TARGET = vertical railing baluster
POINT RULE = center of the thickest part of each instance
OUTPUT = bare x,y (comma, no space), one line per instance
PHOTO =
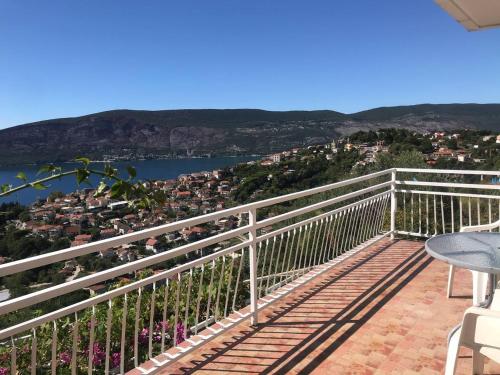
285,255
136,326
382,214
302,251
262,274
164,314
230,280
460,207
322,244
275,273
13,356
151,320
252,236
34,348
489,211
470,212
219,286
404,211
91,342
364,209
370,218
442,214
394,203
53,360
176,314
420,214
307,258
74,349
412,218
188,303
427,222
269,270
328,251
198,298
353,227
123,333
435,214
478,211
452,209
236,286
370,232
313,251
210,291
109,323
288,267
344,230
334,236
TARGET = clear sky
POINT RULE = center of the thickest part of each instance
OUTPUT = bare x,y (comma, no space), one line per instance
63,58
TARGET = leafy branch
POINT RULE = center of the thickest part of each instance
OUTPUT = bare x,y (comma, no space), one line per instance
139,194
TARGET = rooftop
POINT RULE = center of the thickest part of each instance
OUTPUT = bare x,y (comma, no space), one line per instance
383,311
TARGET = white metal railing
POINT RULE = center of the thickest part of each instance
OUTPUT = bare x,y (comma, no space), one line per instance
207,288
427,207
204,290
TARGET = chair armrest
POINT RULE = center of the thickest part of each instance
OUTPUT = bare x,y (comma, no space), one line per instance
478,228
480,328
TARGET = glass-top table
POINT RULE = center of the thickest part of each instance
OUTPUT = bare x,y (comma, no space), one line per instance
476,251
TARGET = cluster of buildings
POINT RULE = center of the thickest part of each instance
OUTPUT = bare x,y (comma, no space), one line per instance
82,218
328,151
463,152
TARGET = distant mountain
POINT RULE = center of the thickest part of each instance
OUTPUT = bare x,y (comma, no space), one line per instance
220,131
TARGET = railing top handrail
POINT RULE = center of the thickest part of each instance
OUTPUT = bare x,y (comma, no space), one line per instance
449,171
93,247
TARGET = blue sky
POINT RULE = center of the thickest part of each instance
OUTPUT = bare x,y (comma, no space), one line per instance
63,58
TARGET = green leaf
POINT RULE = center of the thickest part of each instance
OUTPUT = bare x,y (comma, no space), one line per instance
131,171
5,188
38,186
109,170
84,160
47,168
101,188
82,175
116,189
22,176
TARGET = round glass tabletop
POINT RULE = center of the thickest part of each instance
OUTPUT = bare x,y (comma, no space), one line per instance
477,251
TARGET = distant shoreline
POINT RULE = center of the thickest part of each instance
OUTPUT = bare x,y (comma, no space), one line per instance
131,160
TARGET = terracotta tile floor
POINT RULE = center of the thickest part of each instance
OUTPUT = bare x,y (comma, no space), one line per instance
382,312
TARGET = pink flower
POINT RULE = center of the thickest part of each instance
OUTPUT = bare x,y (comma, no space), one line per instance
4,371
143,336
180,333
65,358
115,359
159,325
158,330
99,354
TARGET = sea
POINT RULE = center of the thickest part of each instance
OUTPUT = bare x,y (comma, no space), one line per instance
146,170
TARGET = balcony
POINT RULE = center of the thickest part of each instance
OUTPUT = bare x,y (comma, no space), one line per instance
334,277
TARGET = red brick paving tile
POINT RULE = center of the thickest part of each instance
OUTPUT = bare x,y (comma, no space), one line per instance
382,312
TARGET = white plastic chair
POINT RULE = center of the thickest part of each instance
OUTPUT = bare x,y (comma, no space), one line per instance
479,279
480,331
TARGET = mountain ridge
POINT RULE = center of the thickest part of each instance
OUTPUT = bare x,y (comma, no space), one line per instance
220,131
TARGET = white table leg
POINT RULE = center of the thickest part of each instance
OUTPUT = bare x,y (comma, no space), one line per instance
479,287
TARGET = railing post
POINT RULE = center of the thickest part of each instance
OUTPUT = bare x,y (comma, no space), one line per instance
393,202
252,221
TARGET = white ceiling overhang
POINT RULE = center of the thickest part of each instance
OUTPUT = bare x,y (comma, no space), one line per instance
473,14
